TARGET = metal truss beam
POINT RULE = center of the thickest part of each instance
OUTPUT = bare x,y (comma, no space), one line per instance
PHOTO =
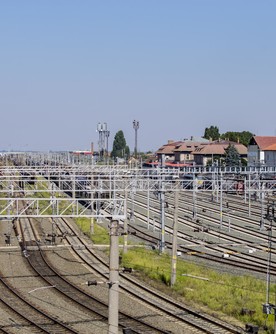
36,185
11,208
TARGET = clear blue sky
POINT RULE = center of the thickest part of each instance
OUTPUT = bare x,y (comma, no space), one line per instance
177,66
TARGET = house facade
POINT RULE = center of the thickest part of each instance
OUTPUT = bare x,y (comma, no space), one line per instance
214,152
180,152
262,151
197,152
166,152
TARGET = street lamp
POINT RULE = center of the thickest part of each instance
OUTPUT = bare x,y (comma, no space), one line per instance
135,127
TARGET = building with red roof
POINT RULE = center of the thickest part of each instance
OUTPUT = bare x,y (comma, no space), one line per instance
262,151
179,153
196,152
215,150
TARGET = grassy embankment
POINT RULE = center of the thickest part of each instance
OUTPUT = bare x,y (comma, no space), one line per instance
237,299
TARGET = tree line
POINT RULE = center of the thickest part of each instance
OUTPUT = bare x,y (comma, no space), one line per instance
239,137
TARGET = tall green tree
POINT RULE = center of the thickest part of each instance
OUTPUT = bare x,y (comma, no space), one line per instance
238,137
120,148
212,133
232,156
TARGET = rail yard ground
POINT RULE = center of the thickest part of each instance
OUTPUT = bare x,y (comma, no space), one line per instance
225,254
229,293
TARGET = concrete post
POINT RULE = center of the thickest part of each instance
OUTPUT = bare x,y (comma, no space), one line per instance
113,296
175,229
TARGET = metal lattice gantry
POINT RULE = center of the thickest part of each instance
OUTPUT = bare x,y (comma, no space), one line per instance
85,189
54,207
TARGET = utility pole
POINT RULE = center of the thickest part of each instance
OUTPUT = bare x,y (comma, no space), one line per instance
194,196
249,194
268,307
162,206
175,229
162,217
53,202
261,184
113,296
148,204
221,217
92,204
135,127
125,223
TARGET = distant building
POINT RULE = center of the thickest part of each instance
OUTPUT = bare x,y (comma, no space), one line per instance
179,152
196,151
262,151
215,151
184,151
166,152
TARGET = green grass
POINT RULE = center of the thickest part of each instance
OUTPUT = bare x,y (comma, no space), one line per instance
220,294
100,235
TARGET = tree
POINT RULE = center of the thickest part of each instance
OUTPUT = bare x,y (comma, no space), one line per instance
120,149
232,156
238,137
212,133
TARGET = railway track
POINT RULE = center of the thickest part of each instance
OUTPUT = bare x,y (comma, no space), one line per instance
191,320
37,258
214,242
30,318
175,312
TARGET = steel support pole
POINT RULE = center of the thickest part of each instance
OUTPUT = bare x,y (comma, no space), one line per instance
92,207
194,197
148,204
221,215
113,296
245,190
125,224
262,207
175,229
162,218
74,191
249,194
